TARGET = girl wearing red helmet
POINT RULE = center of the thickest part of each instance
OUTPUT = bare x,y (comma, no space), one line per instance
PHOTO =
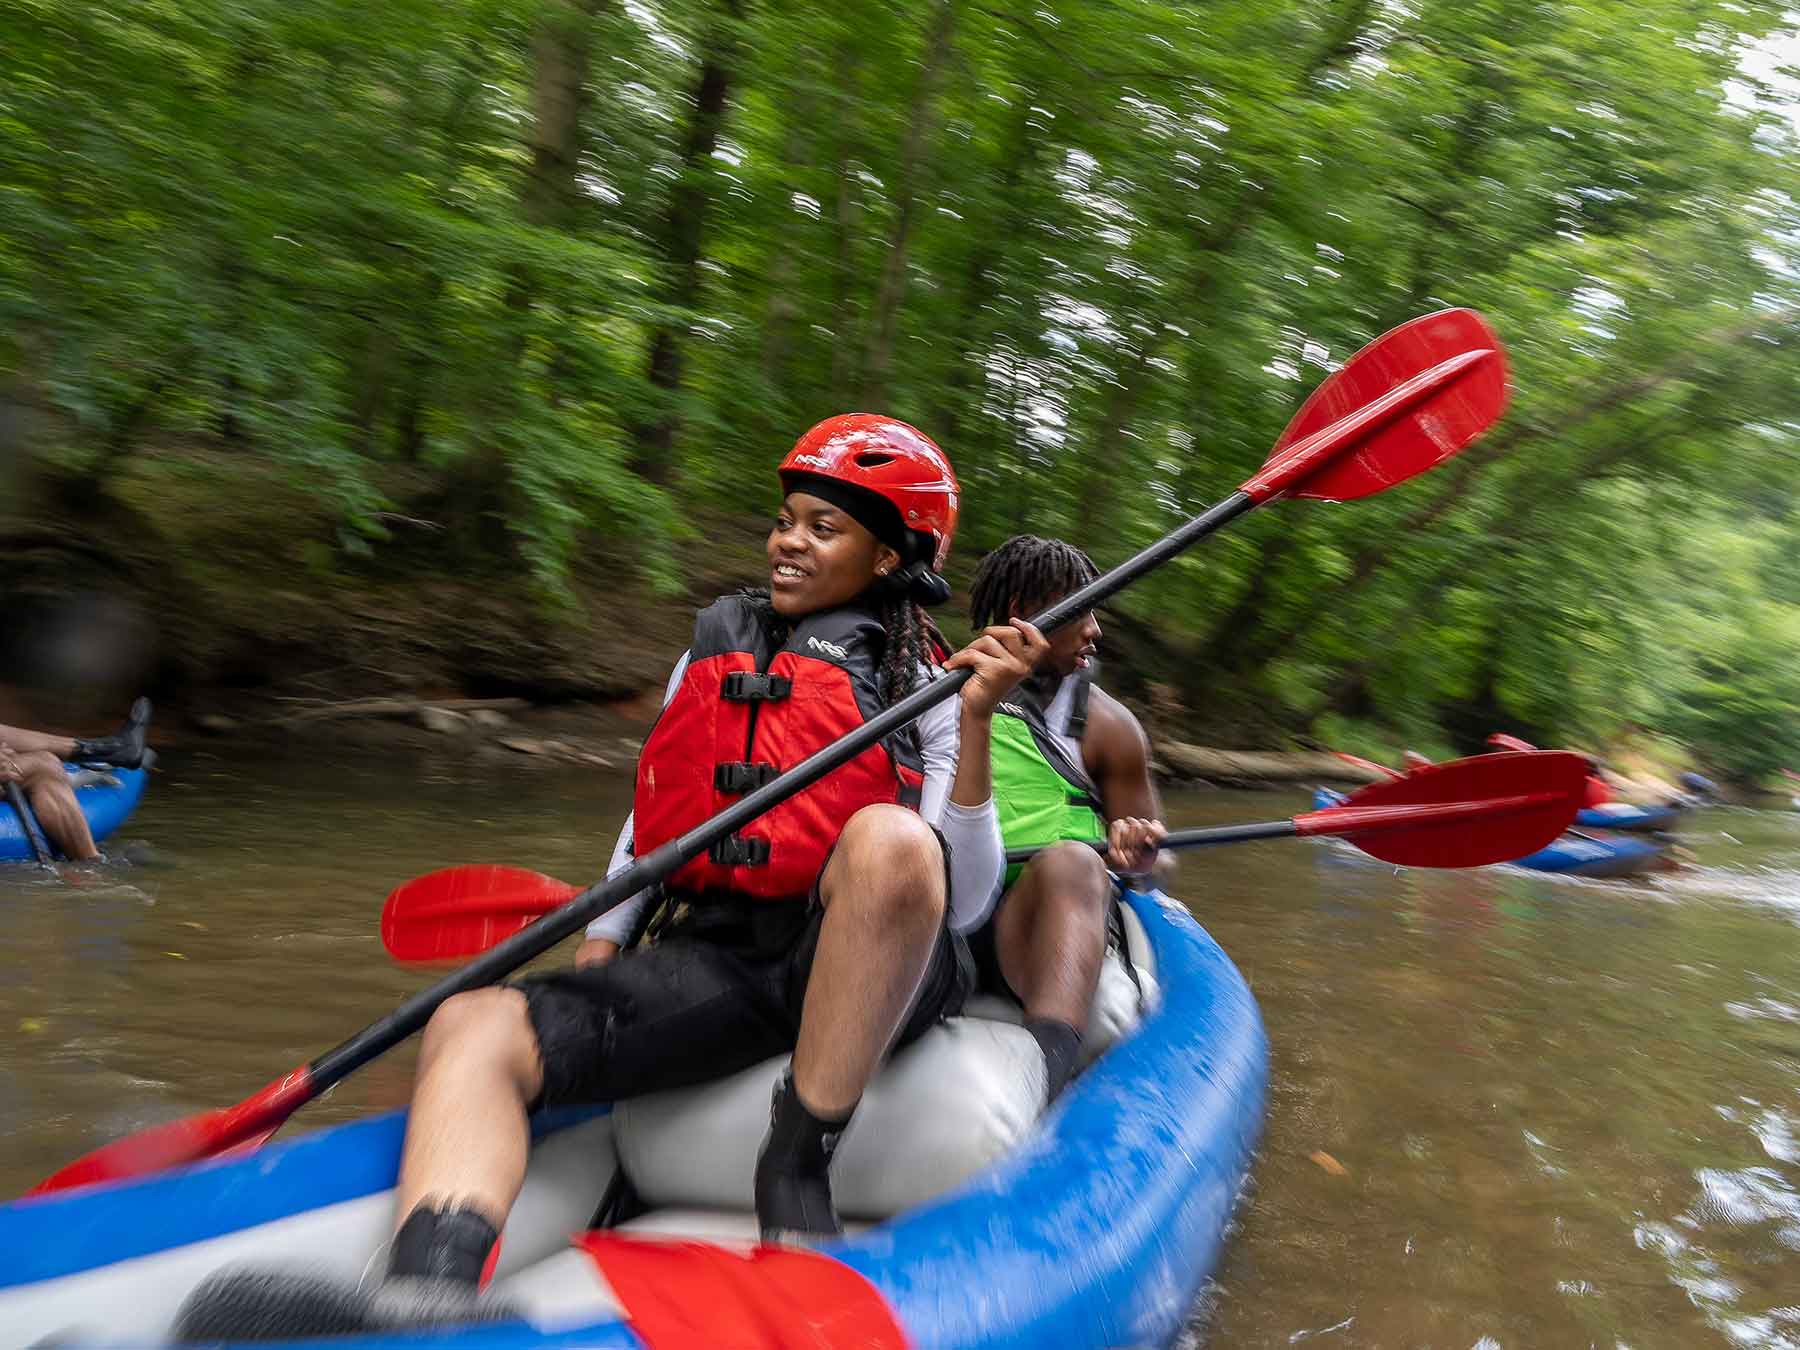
829,927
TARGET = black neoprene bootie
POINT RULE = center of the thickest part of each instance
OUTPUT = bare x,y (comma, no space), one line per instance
278,1305
126,747
793,1171
450,1244
434,1266
1061,1045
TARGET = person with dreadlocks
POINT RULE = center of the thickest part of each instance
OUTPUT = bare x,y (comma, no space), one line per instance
831,926
1070,765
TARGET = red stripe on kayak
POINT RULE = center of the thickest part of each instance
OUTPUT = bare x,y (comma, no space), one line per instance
684,1295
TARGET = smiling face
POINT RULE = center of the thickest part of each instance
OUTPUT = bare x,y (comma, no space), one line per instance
819,558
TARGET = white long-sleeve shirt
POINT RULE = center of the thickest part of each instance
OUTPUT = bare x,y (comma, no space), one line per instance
977,855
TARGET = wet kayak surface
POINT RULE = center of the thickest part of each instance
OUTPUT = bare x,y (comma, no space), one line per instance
1506,1109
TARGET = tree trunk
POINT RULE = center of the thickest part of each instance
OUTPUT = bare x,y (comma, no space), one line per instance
560,61
783,309
844,329
1106,463
420,356
679,240
885,320
978,289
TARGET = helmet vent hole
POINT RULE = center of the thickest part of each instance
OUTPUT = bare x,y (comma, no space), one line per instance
873,459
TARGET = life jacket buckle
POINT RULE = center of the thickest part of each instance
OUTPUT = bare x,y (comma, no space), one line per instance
749,686
736,851
743,777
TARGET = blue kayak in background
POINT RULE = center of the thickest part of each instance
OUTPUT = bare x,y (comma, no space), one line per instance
107,800
1625,816
1597,856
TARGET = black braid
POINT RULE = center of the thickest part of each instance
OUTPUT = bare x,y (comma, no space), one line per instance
1027,572
913,640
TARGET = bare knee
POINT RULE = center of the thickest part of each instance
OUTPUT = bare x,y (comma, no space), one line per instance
486,1027
1062,891
40,768
1072,876
889,857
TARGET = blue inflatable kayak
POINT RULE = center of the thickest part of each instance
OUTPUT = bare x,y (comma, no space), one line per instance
1580,855
1625,816
106,804
987,1221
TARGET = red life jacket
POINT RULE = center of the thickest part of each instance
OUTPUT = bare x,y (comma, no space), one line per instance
745,710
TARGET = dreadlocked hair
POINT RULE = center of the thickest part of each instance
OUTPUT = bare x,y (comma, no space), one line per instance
1026,571
913,639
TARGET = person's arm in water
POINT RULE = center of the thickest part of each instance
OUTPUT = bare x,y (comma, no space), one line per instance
1116,754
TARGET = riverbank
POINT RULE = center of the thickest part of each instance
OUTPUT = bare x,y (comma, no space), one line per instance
217,585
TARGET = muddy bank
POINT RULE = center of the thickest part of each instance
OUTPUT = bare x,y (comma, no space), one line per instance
608,736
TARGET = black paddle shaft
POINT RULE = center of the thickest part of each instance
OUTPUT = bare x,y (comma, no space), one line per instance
40,847
1199,838
581,910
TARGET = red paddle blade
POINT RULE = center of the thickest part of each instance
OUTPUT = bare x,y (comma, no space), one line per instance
1501,741
1466,813
189,1139
1403,404
460,911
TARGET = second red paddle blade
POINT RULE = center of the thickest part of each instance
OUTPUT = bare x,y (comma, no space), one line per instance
1531,799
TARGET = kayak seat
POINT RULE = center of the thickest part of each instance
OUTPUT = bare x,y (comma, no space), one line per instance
938,1112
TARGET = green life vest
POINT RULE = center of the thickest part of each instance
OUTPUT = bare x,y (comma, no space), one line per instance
1040,795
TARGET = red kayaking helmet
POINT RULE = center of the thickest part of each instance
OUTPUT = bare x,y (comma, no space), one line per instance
896,462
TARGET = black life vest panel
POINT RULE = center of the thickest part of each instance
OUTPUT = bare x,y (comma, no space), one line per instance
745,710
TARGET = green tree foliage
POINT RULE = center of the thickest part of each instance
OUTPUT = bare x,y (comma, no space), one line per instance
538,269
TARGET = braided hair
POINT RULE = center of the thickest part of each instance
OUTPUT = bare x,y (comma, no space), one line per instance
913,640
1027,571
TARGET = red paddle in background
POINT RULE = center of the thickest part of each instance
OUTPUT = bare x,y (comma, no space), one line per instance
1402,405
1501,741
458,911
1368,764
1466,813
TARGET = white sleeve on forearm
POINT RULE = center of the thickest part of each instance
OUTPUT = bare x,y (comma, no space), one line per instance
616,924
977,856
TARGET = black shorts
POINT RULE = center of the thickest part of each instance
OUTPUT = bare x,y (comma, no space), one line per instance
984,948
720,990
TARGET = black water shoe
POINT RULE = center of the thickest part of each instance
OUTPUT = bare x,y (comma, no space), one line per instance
125,748
793,1171
267,1305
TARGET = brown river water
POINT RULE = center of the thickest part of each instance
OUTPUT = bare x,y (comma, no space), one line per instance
1505,1110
